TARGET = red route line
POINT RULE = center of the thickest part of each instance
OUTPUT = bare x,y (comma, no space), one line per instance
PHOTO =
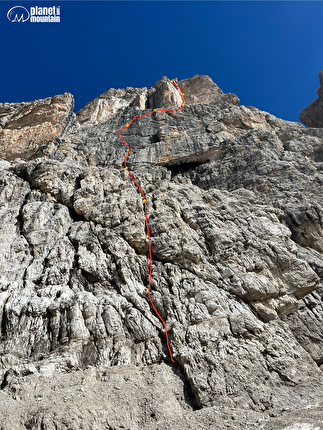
144,200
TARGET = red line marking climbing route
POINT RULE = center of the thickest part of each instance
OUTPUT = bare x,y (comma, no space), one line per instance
144,201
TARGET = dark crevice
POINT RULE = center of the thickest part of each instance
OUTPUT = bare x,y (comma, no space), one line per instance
75,216
77,184
4,382
189,395
154,138
319,361
4,323
21,172
21,230
184,167
19,217
49,329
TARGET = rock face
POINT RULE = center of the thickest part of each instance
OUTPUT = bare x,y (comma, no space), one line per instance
234,203
312,115
199,89
25,127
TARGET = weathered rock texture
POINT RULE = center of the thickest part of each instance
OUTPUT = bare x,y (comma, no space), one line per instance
234,199
25,127
312,115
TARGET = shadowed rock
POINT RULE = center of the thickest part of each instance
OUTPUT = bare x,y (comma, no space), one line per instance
312,115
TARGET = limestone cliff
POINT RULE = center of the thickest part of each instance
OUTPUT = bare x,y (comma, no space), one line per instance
234,202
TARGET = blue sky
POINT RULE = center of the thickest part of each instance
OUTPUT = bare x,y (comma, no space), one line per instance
268,53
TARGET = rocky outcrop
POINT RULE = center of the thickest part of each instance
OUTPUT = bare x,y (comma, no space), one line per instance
26,127
200,90
312,115
234,209
111,103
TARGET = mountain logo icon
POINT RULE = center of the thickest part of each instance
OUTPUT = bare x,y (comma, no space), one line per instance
18,14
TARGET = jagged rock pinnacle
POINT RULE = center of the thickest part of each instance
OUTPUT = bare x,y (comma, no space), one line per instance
312,115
